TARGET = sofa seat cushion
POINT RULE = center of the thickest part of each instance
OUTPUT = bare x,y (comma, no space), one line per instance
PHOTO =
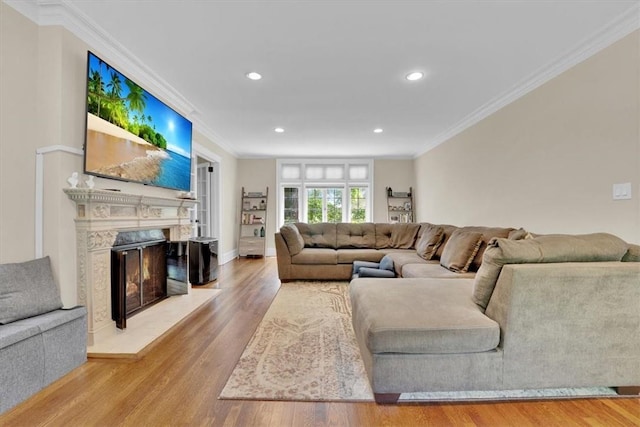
347,256
404,257
434,271
420,316
16,332
316,256
55,318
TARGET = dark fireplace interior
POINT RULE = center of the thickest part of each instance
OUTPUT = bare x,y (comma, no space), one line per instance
138,272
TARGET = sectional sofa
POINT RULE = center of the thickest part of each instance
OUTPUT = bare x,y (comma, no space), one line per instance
479,308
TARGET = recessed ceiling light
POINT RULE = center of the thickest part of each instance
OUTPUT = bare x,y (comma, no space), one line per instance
416,75
377,130
254,76
279,130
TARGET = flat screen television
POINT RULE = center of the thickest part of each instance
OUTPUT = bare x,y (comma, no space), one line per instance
131,135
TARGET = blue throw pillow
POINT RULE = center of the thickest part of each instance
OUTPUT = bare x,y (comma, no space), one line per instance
386,263
375,272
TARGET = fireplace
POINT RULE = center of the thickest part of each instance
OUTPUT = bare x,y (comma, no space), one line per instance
101,215
138,273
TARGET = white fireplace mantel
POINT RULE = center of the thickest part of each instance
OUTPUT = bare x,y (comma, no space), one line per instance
100,216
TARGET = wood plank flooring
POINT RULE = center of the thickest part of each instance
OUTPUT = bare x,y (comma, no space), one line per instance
178,381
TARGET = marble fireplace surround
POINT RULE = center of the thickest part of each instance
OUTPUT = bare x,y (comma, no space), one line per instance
100,215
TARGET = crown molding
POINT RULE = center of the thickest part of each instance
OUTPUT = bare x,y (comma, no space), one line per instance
620,27
64,13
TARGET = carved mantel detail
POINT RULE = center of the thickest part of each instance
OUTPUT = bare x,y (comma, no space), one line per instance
100,215
101,239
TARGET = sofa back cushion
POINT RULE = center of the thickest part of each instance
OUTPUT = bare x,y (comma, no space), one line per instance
383,235
552,248
321,235
460,250
429,240
351,236
293,238
27,289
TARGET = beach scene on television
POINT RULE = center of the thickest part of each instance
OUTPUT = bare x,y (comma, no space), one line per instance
131,135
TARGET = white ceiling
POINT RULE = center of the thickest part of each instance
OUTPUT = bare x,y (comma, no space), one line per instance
334,70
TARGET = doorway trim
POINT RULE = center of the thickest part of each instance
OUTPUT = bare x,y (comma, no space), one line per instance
216,189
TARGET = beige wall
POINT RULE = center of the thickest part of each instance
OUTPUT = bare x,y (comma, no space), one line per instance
255,175
18,133
43,81
547,162
397,174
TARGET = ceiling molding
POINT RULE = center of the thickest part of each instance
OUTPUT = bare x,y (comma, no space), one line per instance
64,13
620,27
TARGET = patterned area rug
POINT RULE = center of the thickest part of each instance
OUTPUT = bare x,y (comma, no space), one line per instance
305,349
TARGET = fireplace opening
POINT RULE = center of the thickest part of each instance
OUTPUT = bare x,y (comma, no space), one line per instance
138,273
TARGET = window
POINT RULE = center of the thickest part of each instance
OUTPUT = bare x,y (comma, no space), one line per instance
291,205
316,191
324,205
358,204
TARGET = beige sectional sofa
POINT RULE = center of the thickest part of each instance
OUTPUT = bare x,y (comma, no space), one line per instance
507,312
326,251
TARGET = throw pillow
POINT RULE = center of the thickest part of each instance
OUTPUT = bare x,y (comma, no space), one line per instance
403,235
428,243
518,234
462,247
293,238
27,289
386,263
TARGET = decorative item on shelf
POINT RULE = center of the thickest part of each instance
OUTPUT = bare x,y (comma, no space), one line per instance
73,180
89,182
254,208
407,206
389,191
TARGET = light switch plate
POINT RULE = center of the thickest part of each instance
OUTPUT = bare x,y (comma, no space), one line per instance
622,191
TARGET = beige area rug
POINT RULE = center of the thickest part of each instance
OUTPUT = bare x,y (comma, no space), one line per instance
305,349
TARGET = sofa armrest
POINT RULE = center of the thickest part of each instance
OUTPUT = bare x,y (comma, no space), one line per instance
569,323
283,257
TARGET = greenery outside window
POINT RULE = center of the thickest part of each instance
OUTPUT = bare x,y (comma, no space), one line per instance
331,190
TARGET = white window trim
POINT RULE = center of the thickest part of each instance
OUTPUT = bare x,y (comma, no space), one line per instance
303,184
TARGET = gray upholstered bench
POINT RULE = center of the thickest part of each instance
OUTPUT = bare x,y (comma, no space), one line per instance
39,341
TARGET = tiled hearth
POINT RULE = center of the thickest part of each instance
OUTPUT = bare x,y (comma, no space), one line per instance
100,215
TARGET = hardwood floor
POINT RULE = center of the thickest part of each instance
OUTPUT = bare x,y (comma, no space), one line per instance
178,381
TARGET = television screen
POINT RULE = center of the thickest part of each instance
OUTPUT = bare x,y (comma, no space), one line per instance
131,135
